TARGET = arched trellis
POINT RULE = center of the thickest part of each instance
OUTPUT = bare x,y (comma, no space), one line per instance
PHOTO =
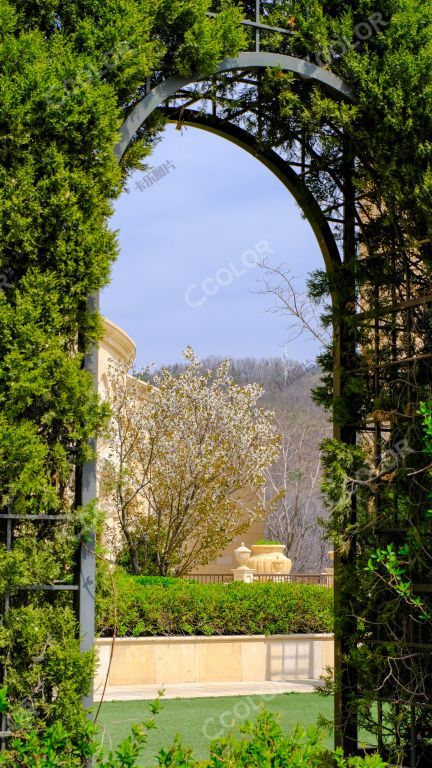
386,313
244,62
383,344
334,255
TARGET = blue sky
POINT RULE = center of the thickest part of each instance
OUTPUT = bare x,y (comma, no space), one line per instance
188,244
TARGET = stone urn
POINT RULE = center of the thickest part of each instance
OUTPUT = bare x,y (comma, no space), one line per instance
269,559
329,572
244,574
242,554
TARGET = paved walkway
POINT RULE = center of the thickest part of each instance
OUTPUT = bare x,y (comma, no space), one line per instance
201,690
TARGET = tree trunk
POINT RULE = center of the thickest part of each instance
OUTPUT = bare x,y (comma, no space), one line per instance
133,553
163,567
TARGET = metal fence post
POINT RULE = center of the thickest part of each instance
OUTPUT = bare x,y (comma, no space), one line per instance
89,492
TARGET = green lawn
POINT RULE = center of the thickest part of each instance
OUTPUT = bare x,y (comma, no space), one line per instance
200,720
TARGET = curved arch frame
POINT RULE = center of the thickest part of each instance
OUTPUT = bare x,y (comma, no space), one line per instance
244,61
346,726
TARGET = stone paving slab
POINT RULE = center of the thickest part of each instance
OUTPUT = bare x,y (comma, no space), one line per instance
202,690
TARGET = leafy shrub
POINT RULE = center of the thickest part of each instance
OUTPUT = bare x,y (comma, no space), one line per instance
259,744
189,608
57,747
47,674
263,744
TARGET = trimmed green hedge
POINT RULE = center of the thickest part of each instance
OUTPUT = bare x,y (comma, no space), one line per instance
161,581
185,608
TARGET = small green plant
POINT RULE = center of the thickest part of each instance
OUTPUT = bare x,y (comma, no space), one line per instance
257,744
56,747
263,744
268,542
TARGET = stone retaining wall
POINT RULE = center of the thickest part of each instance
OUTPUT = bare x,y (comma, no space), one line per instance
163,660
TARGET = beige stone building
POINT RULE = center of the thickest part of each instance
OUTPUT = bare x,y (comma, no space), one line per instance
117,345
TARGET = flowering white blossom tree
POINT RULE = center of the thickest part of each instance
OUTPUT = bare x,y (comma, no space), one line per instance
185,462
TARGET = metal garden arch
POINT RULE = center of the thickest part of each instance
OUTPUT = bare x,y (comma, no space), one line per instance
382,342
246,63
386,359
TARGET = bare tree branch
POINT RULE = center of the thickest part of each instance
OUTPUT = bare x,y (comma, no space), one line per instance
279,282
